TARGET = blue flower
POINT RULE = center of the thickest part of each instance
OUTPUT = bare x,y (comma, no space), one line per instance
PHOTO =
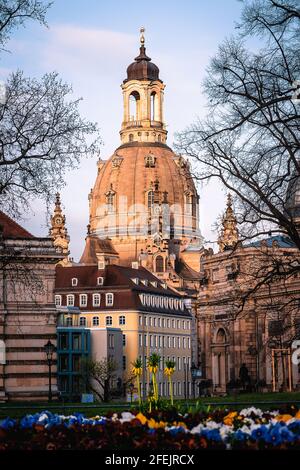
260,433
7,423
240,435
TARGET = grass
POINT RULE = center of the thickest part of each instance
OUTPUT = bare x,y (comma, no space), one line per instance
8,409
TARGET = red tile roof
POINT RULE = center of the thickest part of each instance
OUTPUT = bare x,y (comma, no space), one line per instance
11,229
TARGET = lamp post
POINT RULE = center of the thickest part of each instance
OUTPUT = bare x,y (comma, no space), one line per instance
49,350
194,375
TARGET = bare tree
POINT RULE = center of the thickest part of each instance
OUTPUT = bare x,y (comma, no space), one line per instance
42,134
15,13
250,140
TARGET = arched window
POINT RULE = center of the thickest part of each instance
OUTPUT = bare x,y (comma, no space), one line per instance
109,299
152,106
130,137
188,203
159,264
95,321
134,106
108,321
150,199
82,321
221,336
159,138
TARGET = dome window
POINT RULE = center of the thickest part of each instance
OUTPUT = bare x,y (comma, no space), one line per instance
150,161
110,201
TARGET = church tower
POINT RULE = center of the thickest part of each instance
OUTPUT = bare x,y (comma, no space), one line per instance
143,94
144,204
58,230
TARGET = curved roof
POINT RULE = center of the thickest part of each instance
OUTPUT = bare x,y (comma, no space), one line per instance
142,68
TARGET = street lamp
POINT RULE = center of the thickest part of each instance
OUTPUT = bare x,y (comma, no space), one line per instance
49,349
194,376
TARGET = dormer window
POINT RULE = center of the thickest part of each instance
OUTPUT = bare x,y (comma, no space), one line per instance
100,281
135,280
154,283
135,265
145,282
74,281
101,265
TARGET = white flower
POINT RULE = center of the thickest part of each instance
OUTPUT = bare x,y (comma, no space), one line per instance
225,431
42,417
126,416
248,411
197,429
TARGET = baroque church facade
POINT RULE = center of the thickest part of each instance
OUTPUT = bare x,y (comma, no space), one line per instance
143,213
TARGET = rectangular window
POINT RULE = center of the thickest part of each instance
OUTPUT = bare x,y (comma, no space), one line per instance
179,388
83,300
96,300
178,324
124,340
145,341
124,362
178,341
189,343
155,341
140,320
140,341
173,323
63,363
151,341
154,321
122,320
169,341
174,342
70,300
179,363
168,323
163,322
184,343
109,300
146,321
76,363
58,300
64,341
159,323
76,340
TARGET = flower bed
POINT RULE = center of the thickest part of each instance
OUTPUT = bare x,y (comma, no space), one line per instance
250,428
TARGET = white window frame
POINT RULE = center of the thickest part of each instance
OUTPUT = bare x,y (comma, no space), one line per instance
108,322
100,281
96,296
82,296
74,281
70,297
96,320
109,303
57,300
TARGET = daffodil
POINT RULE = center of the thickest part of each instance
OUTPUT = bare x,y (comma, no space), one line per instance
153,363
137,372
169,371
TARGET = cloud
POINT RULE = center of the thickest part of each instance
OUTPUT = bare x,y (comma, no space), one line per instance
86,50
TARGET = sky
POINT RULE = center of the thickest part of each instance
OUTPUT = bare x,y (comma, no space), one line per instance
90,43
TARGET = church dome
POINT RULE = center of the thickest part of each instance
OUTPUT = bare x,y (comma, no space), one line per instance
133,179
142,68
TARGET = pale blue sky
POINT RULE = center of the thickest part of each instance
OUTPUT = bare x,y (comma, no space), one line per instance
91,43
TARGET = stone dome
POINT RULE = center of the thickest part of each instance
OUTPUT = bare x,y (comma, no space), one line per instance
129,180
142,68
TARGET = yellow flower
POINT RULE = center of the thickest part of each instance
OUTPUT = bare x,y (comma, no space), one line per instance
137,371
153,369
228,419
169,371
141,418
155,425
283,418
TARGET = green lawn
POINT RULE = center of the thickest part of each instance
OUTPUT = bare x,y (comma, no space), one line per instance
241,400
